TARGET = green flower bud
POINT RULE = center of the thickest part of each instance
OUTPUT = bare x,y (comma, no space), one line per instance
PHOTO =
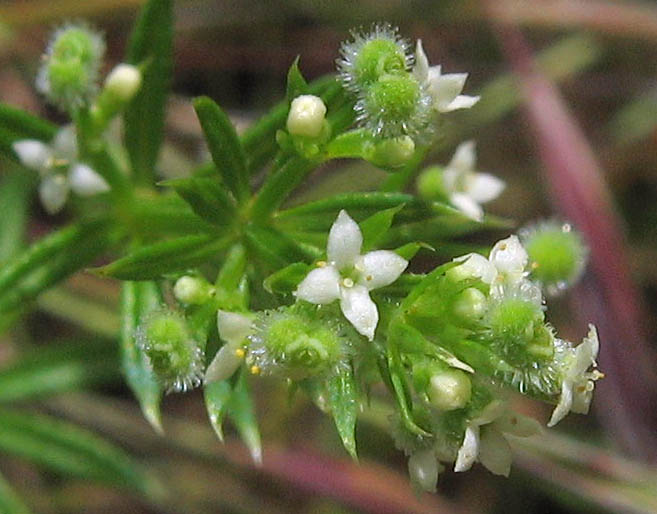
423,468
391,153
394,106
69,74
369,56
557,255
450,389
174,356
470,304
192,290
291,343
430,184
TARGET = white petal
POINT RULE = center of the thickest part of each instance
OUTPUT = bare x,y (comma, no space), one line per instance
445,88
491,412
495,452
421,68
321,285
478,266
344,241
85,181
517,425
483,187
469,450
53,192
509,256
467,206
233,327
423,468
564,405
33,154
65,144
586,353
359,309
380,268
224,364
465,157
461,102
582,396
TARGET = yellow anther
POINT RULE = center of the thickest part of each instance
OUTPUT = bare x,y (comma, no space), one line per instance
255,370
321,264
347,282
240,353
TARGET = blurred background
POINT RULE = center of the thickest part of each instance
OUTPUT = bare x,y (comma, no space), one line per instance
568,118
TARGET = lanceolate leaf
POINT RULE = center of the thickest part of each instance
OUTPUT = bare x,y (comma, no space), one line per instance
241,411
51,259
375,227
286,280
343,402
60,367
15,192
207,197
68,449
137,300
276,249
296,84
217,395
153,261
151,45
16,124
224,146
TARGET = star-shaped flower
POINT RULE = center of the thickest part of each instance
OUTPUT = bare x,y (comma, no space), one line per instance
578,383
349,276
467,188
58,166
233,329
486,435
445,90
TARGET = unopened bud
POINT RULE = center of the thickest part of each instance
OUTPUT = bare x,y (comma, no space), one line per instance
123,82
192,290
306,117
450,389
470,304
393,152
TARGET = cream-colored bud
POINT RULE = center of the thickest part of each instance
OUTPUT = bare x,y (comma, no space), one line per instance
191,290
123,81
450,389
470,304
306,116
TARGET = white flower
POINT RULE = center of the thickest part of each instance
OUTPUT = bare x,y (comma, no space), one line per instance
349,276
233,328
578,383
445,90
467,188
504,270
486,435
51,160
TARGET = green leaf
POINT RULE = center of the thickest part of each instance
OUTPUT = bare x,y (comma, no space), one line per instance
279,185
409,250
343,402
217,395
15,192
224,146
51,259
68,449
9,500
276,249
207,197
16,124
153,261
232,286
286,280
58,368
296,84
241,411
151,43
137,300
376,226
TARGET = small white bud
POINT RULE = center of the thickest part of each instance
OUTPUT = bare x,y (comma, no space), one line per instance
450,389
423,468
306,116
123,82
191,290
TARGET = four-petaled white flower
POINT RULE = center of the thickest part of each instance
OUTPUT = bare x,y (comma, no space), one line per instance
445,90
467,188
486,435
503,270
58,166
233,329
349,276
578,383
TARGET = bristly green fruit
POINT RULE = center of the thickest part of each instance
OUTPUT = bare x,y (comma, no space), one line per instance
175,357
